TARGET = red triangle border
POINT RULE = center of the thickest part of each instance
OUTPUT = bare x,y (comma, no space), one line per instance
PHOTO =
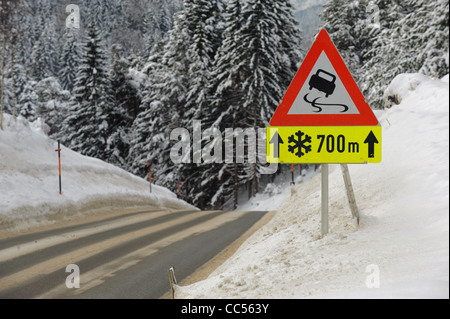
366,117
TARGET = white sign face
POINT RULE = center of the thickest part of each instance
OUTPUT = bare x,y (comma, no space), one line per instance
323,92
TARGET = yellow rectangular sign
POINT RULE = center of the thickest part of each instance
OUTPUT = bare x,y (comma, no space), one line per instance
324,144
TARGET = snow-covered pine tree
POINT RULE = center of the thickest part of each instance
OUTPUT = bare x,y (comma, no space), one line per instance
44,56
162,105
226,79
20,81
126,101
380,39
290,41
52,103
141,129
29,29
33,18
105,15
348,25
176,74
157,24
251,33
28,101
172,99
203,25
86,125
389,53
258,43
129,28
429,36
224,111
142,23
69,58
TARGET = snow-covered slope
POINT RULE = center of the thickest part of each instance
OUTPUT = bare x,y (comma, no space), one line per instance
402,244
29,185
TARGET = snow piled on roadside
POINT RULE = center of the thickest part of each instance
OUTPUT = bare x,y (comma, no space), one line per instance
404,232
29,185
275,193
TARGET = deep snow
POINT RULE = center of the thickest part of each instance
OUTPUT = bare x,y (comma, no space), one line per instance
404,204
401,249
29,185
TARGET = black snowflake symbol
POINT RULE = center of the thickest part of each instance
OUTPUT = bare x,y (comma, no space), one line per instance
300,144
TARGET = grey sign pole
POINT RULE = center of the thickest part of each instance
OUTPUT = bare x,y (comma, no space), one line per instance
324,219
350,193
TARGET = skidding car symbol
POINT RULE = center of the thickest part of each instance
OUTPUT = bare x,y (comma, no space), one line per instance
322,84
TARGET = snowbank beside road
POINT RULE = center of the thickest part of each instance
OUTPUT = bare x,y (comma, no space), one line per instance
403,240
29,186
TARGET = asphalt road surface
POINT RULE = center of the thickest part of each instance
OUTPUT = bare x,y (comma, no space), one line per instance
125,256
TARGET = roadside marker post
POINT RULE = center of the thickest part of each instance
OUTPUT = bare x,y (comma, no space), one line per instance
292,172
172,281
324,119
179,189
324,210
149,175
59,165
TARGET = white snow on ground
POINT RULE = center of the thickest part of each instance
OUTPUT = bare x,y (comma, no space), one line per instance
401,249
29,184
275,193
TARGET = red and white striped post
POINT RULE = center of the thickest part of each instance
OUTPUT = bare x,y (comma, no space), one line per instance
149,175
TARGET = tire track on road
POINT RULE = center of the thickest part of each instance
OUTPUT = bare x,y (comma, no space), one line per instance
44,266
65,242
109,253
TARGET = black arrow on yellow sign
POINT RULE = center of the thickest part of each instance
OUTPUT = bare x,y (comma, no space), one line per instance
371,140
276,140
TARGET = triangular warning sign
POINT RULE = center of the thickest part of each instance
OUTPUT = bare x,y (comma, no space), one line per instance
323,92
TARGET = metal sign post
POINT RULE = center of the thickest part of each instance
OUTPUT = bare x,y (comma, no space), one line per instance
324,214
350,193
